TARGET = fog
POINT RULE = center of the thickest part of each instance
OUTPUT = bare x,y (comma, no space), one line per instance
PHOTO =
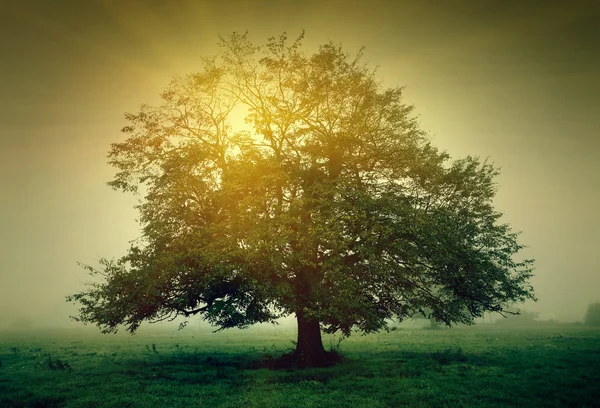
517,83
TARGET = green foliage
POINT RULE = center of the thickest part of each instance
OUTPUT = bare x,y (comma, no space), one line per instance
332,205
592,314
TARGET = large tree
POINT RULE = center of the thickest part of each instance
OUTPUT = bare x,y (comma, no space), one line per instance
330,204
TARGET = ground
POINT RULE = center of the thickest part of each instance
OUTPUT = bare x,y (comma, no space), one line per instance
548,365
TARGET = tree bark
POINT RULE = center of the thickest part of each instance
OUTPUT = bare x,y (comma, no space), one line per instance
309,347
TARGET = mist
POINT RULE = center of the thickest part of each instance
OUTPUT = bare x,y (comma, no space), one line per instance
513,82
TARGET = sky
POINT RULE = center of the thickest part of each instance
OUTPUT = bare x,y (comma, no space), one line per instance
515,81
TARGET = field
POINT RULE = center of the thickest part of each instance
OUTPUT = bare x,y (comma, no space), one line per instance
543,366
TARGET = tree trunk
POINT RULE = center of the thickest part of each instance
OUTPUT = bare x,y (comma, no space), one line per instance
309,348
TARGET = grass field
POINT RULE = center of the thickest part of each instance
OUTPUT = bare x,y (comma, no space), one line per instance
544,366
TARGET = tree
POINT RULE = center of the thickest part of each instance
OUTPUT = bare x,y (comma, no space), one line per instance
592,314
427,313
522,318
330,205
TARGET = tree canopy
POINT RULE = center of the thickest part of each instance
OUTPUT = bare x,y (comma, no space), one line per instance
592,314
330,204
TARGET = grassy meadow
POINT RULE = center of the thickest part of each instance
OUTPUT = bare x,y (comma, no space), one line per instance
548,365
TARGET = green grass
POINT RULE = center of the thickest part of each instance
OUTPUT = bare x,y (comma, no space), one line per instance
547,366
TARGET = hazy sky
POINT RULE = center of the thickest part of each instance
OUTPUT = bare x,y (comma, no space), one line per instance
518,81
